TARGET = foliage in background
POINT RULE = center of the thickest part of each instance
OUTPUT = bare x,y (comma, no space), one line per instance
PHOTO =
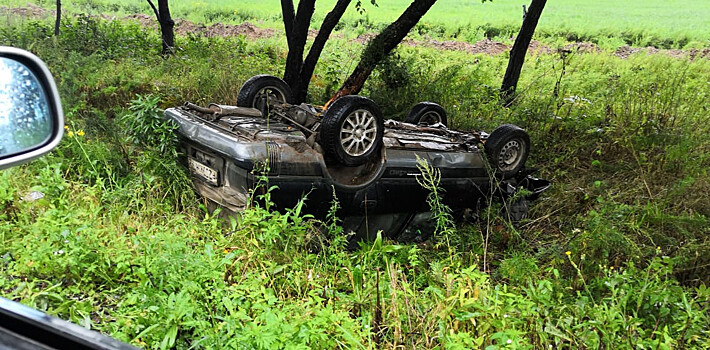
616,254
607,23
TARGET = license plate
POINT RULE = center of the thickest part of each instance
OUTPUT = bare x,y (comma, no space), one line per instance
207,173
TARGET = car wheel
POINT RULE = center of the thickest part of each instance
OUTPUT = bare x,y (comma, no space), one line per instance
352,130
507,148
262,89
428,113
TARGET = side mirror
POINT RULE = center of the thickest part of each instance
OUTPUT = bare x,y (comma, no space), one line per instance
31,118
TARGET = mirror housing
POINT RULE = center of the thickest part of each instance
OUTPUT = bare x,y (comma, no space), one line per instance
31,117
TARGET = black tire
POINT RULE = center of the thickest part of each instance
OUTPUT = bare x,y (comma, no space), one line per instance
428,113
507,148
261,88
364,128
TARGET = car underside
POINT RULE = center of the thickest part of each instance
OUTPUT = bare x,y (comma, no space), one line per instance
348,153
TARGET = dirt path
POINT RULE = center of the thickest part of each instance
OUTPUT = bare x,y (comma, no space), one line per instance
252,32
485,46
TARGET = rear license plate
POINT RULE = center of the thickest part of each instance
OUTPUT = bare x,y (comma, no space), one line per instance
205,172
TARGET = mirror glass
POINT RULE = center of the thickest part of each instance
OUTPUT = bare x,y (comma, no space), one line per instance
25,120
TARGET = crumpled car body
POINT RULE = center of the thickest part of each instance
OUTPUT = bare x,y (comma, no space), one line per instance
231,156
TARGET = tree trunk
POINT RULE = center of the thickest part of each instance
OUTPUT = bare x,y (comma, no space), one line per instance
162,13
296,34
300,88
519,50
381,45
289,15
166,27
59,17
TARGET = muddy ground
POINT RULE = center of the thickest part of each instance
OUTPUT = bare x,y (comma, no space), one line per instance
252,32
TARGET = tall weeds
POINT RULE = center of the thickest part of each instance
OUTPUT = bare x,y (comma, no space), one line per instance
614,255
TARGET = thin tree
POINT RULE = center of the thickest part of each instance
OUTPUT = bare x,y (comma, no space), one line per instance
162,13
298,70
381,45
58,19
519,50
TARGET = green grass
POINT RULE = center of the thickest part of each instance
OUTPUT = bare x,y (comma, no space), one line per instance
121,244
660,23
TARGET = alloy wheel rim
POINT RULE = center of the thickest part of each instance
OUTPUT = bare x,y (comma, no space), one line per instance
358,132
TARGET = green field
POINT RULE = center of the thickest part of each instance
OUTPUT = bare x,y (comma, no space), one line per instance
660,23
615,255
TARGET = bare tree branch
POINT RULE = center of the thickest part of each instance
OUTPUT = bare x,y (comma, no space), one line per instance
59,18
303,19
297,41
309,64
157,14
381,45
519,50
289,16
166,27
329,23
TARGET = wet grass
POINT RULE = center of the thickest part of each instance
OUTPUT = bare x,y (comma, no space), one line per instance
616,253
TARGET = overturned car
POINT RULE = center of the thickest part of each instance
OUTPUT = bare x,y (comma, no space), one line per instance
350,153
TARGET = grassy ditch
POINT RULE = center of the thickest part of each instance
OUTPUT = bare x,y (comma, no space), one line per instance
615,254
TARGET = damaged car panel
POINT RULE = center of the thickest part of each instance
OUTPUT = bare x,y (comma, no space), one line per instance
346,153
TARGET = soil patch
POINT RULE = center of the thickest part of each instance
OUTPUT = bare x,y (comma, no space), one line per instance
30,10
183,27
626,51
483,46
540,48
142,19
220,29
582,48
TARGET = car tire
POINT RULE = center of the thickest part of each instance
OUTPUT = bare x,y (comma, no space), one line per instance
352,130
507,149
260,88
428,113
